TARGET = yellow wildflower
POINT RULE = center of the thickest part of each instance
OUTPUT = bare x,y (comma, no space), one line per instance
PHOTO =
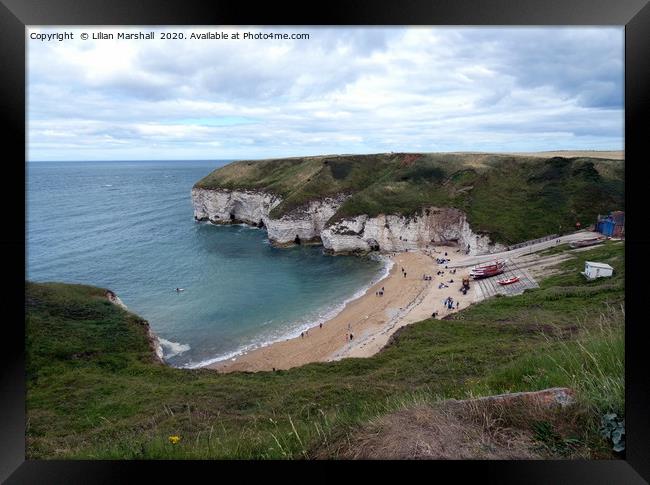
174,439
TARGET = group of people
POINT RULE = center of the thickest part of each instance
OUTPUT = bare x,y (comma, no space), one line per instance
404,272
380,292
426,277
306,332
442,285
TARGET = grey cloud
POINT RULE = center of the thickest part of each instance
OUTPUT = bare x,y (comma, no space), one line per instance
345,90
578,62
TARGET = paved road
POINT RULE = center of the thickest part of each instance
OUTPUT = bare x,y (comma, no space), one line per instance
515,253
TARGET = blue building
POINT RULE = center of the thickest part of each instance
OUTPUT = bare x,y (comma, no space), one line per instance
612,225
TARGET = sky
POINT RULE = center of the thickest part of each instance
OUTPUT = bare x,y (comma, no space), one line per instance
343,90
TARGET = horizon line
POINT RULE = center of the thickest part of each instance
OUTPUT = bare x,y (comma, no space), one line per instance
621,150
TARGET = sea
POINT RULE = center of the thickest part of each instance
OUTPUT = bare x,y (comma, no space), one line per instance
129,227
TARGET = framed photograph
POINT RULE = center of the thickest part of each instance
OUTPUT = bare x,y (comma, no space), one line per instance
379,232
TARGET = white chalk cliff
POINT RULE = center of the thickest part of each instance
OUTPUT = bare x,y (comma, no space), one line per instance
357,234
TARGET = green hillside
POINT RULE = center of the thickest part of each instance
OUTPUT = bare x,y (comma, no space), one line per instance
96,391
513,198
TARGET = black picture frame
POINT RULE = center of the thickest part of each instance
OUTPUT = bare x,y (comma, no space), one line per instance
15,15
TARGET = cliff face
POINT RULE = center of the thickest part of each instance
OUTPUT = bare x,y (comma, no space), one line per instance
228,206
306,223
399,233
357,234
233,206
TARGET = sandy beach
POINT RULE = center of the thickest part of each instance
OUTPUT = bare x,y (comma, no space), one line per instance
371,319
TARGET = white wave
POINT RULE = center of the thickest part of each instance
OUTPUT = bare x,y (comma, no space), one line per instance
296,331
171,349
107,185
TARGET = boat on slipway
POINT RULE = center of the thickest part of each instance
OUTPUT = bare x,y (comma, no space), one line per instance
508,281
486,270
587,242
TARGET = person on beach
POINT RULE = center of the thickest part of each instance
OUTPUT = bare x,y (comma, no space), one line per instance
302,334
351,336
321,325
457,305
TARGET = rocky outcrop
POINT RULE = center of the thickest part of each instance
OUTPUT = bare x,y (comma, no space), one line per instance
304,224
401,233
546,398
221,206
115,300
309,223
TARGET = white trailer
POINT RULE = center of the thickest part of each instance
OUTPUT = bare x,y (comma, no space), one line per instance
595,270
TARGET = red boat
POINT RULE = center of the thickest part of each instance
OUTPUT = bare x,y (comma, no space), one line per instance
499,263
488,269
509,281
487,273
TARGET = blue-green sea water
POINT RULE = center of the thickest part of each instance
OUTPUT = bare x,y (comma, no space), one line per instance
129,227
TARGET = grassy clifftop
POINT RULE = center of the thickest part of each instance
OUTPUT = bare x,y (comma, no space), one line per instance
95,390
512,198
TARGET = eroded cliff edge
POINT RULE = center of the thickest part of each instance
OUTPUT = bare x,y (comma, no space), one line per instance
312,222
403,201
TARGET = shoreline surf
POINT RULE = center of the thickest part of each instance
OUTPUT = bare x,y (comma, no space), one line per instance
372,318
295,332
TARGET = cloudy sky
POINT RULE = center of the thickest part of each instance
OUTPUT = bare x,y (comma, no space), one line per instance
352,90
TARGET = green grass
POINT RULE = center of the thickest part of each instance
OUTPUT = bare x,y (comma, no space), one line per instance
592,364
95,391
512,198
